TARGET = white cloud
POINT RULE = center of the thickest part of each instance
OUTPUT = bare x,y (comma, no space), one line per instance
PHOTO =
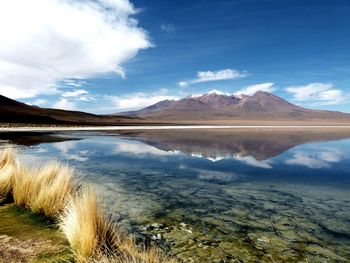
74,82
183,84
88,97
40,102
74,93
46,41
251,161
137,148
169,28
251,90
305,159
214,91
248,160
316,160
209,158
64,104
67,147
319,93
331,156
205,76
138,100
217,92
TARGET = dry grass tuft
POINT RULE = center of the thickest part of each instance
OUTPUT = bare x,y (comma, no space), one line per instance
94,238
44,190
54,185
7,157
22,186
53,191
8,168
79,222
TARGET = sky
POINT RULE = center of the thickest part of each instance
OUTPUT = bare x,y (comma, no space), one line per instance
107,56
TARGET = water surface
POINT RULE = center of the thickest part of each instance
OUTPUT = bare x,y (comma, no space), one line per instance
219,195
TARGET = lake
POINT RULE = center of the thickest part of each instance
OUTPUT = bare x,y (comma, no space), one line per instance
257,195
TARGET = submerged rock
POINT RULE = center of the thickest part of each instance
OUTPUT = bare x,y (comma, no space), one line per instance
274,226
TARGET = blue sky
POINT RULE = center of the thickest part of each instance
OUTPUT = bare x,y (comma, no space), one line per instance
297,49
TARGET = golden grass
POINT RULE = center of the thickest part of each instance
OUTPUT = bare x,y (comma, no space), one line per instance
44,190
7,157
22,190
53,191
79,222
54,184
95,238
7,169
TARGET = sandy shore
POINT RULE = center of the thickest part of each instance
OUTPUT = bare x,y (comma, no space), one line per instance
169,127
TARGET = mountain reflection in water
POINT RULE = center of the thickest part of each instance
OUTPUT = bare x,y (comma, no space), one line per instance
222,195
261,144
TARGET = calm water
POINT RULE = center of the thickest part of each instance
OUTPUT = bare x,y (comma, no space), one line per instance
218,196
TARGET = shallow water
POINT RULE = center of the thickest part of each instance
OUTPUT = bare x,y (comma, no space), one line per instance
218,196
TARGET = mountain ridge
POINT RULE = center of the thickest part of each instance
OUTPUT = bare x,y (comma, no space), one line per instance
12,111
218,105
210,108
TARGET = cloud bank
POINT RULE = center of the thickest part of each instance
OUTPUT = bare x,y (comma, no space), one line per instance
46,41
64,104
319,93
251,90
139,100
75,93
323,158
205,76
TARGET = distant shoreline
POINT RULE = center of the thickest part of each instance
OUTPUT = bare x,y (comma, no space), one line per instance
167,127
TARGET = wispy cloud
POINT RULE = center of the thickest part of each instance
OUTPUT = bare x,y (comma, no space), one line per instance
304,159
316,160
251,90
138,100
168,28
64,104
74,93
39,102
68,151
139,149
248,159
213,91
79,95
74,82
205,76
44,42
317,93
251,161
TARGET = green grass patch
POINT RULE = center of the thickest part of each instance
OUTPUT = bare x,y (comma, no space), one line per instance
26,226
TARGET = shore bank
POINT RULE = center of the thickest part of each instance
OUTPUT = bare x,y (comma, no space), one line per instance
175,127
53,193
29,237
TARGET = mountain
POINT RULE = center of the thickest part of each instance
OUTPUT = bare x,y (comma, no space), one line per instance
220,106
12,111
216,144
214,106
